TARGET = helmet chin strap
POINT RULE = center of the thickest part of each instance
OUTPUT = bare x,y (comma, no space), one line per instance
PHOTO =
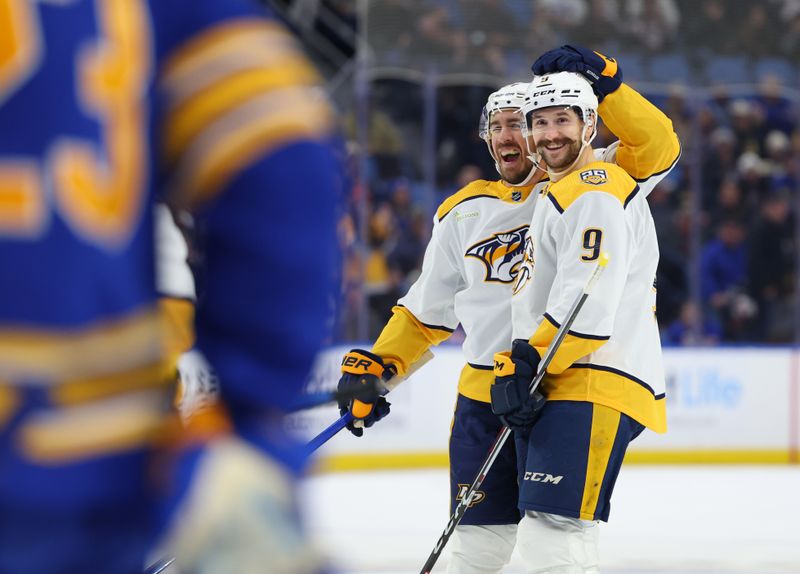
528,177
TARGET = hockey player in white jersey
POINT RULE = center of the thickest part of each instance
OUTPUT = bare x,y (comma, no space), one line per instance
470,266
605,383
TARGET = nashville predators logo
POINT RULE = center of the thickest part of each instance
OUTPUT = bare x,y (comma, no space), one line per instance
477,497
526,269
501,254
594,176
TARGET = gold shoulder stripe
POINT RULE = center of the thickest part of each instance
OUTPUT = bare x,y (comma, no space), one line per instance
476,189
596,176
245,135
233,36
203,108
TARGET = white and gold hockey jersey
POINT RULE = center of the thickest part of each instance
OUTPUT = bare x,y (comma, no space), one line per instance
612,353
475,253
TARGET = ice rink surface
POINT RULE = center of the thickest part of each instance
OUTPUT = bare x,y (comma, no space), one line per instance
664,519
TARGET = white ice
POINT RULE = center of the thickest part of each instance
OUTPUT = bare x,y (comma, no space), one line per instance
664,519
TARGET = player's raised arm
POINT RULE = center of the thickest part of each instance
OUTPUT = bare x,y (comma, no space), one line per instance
648,145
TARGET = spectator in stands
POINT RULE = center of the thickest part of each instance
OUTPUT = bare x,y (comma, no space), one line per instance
677,108
541,32
777,111
385,144
723,279
754,176
692,328
789,40
783,165
747,124
651,24
671,276
771,267
381,281
729,204
601,26
719,161
711,27
566,15
757,30
437,40
491,30
391,29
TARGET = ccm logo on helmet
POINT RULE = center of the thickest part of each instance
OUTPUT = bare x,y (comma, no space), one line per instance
542,93
542,477
351,361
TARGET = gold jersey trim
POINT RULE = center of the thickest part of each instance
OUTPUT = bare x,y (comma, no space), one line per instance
97,350
612,388
475,382
563,193
484,188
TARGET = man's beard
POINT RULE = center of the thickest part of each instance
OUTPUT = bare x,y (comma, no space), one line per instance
572,152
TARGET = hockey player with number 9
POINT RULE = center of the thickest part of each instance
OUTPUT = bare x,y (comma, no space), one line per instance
470,267
605,382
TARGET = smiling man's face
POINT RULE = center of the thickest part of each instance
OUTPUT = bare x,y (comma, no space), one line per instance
557,136
508,145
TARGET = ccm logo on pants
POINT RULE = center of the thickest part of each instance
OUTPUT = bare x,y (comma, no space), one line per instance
542,477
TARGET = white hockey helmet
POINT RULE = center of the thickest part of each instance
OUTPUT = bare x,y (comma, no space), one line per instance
510,97
566,89
562,89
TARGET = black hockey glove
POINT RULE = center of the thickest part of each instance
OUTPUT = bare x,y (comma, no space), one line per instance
602,72
360,389
511,399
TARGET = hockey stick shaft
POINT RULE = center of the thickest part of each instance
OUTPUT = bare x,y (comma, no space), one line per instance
502,437
159,566
342,421
329,432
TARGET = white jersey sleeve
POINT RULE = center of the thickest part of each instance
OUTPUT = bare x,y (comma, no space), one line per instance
431,299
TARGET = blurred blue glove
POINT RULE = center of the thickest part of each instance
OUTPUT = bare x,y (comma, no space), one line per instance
602,72
360,389
511,398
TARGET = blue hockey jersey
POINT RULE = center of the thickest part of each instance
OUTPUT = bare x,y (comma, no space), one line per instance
105,106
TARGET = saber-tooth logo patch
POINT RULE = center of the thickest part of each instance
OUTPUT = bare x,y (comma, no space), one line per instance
594,176
526,269
501,254
477,497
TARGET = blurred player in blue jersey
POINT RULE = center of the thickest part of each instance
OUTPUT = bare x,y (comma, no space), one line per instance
105,106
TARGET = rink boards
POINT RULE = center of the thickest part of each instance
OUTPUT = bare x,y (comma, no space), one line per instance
733,404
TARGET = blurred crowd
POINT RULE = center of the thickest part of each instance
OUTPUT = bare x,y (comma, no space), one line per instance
497,36
725,216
